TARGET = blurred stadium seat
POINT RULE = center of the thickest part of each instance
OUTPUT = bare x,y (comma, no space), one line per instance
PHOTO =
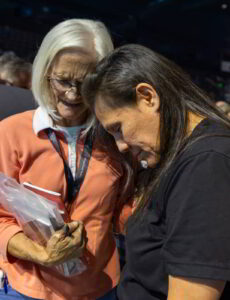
14,100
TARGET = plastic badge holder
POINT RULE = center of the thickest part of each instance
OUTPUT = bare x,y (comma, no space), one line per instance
38,217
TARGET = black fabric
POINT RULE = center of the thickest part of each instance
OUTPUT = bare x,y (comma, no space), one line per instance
186,229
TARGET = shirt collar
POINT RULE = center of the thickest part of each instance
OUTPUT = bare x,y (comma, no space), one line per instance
42,121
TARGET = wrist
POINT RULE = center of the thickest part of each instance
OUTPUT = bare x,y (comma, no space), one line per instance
38,254
21,247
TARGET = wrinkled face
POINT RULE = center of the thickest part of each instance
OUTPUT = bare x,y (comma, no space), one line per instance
134,128
66,76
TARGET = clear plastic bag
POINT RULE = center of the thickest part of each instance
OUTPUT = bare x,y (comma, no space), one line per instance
38,217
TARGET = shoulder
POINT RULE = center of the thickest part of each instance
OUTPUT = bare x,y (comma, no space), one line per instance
203,163
198,183
17,121
13,128
210,136
209,139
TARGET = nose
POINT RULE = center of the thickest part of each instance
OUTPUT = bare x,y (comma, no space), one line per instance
122,145
72,94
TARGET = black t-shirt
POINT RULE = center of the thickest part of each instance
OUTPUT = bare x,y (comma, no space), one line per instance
185,230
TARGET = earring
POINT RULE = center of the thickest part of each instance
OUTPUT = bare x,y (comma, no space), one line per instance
144,164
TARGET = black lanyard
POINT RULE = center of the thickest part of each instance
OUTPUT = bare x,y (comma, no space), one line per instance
73,186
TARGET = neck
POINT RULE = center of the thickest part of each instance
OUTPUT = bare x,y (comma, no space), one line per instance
72,123
193,121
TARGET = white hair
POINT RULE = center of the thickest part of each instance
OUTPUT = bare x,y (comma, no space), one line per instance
87,35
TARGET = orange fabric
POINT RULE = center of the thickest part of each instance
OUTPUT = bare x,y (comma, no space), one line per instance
122,218
31,158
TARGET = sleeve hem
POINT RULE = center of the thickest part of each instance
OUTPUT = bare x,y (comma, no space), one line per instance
198,271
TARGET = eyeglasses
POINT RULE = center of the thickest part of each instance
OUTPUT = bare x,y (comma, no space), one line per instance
64,85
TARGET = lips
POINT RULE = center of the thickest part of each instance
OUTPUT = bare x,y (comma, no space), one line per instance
70,104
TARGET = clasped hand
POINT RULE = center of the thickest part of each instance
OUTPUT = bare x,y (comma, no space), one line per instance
65,244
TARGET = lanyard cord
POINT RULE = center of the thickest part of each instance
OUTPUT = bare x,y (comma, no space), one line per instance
73,186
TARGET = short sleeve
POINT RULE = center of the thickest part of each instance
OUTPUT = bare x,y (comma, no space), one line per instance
197,241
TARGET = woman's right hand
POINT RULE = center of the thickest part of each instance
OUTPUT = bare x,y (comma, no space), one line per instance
65,244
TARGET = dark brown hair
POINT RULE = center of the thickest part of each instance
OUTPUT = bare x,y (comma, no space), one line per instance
116,77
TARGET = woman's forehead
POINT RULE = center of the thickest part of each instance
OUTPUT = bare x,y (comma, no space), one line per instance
77,52
108,114
72,62
108,118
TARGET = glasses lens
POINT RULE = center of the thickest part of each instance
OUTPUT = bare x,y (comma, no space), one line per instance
63,85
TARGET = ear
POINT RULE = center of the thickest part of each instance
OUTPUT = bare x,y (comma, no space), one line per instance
147,97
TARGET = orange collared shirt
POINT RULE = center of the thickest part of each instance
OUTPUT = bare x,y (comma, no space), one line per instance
27,156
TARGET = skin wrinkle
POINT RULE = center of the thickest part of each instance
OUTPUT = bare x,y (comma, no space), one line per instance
79,71
133,136
73,66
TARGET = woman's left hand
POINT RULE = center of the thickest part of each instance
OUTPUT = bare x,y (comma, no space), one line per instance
65,244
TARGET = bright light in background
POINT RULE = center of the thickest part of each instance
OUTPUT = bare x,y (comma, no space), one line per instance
45,9
224,6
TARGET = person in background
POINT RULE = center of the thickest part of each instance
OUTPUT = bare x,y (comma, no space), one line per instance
177,240
15,71
55,147
224,106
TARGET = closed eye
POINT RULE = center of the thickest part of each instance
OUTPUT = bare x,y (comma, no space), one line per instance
64,82
114,128
117,129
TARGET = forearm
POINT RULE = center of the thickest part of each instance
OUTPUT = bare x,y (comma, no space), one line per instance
24,248
194,289
60,248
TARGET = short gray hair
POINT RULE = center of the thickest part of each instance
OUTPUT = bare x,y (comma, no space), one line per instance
87,35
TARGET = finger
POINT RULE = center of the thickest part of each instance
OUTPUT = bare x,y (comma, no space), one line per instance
66,245
66,229
74,226
79,238
64,238
79,231
79,251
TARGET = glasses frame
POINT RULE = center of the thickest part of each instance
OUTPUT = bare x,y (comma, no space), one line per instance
69,85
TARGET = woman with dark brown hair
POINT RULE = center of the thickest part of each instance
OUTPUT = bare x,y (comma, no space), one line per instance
178,242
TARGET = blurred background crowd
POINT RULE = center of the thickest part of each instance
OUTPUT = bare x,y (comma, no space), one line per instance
193,33
14,70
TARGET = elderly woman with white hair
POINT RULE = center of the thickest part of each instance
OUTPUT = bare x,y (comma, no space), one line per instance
54,148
